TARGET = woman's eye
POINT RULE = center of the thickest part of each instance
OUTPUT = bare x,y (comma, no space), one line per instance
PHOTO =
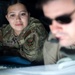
23,14
12,15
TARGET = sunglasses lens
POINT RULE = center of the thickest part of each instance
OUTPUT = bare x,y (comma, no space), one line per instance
46,21
64,19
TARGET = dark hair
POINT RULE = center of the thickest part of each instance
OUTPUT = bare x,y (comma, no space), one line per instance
12,2
40,3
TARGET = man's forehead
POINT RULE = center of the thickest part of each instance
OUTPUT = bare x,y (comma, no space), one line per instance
68,1
58,7
59,2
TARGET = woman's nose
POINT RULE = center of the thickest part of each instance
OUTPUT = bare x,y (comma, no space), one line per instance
18,17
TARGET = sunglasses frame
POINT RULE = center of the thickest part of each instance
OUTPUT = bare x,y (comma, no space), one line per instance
60,19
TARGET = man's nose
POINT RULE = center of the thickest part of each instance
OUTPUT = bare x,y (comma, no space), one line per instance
55,26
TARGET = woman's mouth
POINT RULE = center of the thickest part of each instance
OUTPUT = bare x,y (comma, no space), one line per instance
18,24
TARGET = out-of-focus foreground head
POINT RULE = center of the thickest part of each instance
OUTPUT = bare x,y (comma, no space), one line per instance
60,17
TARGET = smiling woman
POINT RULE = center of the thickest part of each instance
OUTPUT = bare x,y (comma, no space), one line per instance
24,35
17,16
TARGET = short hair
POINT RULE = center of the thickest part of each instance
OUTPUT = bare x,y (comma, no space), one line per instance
74,1
40,3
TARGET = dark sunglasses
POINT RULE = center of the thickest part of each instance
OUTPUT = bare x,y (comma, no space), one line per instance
63,19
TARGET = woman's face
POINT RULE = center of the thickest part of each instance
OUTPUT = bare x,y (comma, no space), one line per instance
17,16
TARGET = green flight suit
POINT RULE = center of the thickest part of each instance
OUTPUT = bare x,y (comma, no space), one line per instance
29,43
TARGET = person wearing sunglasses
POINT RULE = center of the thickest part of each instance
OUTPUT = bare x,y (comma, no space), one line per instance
59,15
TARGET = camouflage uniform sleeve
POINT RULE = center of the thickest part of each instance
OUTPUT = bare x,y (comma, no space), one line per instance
42,35
34,41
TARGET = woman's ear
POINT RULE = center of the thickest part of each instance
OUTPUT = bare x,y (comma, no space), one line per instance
6,17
